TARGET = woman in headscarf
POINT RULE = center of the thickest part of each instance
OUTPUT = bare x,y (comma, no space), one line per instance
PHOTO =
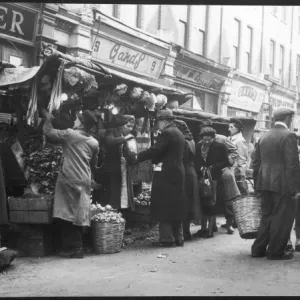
193,206
212,155
119,162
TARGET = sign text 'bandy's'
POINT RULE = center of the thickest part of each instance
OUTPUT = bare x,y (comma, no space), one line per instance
17,22
246,97
127,58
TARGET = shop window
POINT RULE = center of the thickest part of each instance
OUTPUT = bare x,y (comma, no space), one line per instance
272,57
128,14
211,103
15,60
236,43
182,33
281,64
201,35
248,58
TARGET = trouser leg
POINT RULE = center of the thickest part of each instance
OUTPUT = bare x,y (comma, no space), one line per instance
229,215
71,235
186,228
204,222
242,184
211,220
166,234
177,231
263,235
297,219
281,224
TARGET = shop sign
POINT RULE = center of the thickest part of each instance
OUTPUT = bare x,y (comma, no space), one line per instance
280,101
126,57
17,22
198,77
246,97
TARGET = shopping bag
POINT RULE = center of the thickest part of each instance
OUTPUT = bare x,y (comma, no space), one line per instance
208,188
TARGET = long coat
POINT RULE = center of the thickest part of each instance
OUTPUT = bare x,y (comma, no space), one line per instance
168,194
276,162
191,182
217,157
112,171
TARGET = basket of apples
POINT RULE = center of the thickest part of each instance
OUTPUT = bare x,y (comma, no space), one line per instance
107,229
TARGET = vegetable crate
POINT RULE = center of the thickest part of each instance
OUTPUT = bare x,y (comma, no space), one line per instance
37,210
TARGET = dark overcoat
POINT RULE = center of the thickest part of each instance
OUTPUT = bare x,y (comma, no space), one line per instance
168,195
276,162
191,182
217,157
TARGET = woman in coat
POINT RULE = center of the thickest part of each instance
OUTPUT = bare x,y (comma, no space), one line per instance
214,156
118,167
193,206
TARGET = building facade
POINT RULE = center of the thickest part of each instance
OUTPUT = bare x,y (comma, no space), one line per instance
238,60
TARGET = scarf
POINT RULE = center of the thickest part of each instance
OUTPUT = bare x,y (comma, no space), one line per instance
204,151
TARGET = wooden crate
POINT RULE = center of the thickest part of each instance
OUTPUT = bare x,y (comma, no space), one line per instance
31,210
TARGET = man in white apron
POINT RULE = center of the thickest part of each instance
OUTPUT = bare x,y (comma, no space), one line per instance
72,192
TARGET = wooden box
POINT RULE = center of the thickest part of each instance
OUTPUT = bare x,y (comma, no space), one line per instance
31,210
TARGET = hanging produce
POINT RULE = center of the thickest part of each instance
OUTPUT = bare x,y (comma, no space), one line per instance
136,93
32,108
145,96
120,89
161,101
151,101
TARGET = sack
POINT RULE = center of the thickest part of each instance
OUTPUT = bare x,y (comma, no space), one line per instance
208,188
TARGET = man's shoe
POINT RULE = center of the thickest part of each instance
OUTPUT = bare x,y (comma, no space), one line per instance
200,233
208,235
284,256
78,253
230,230
187,237
179,243
163,244
257,255
234,224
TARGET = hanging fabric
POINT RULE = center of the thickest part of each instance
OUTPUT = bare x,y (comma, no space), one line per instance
54,103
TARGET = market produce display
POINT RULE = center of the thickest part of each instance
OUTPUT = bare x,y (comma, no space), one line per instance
106,215
42,164
144,199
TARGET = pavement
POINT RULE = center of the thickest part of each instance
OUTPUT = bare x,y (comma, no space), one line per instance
221,266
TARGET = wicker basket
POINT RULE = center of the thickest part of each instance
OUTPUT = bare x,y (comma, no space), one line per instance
247,213
107,237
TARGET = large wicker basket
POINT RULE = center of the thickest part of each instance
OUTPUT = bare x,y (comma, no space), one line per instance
107,237
247,213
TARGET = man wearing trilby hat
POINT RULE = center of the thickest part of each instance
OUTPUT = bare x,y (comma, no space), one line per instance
168,195
276,177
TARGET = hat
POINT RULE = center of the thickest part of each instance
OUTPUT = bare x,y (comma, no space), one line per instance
164,115
88,119
206,123
282,112
207,131
237,122
120,120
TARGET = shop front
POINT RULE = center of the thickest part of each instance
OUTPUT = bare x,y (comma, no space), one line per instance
194,73
246,98
18,25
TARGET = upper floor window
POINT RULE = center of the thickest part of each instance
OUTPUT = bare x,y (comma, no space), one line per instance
201,41
281,63
182,33
248,51
128,14
236,44
272,57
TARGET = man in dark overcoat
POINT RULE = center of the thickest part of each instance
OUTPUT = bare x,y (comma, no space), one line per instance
276,177
168,195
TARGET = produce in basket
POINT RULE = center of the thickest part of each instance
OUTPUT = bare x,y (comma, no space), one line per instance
108,217
120,89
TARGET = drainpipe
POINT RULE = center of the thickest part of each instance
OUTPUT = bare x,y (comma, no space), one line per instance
221,34
262,38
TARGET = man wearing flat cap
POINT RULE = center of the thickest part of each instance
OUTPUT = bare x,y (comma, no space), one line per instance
276,177
168,195
72,191
241,162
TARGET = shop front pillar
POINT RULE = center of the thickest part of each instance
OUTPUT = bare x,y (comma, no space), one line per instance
224,99
167,73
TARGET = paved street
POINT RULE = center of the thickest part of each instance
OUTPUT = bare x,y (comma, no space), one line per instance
221,266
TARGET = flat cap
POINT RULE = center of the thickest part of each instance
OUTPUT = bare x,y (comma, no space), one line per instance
282,111
164,115
206,123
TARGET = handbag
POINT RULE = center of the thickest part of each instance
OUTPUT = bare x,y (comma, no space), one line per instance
208,188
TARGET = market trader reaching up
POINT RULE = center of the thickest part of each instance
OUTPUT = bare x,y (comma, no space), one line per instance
72,191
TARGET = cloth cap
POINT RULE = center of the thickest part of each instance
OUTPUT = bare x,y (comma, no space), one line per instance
237,122
164,115
88,119
207,131
120,120
206,123
282,112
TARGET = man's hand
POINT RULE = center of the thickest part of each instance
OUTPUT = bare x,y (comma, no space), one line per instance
128,137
